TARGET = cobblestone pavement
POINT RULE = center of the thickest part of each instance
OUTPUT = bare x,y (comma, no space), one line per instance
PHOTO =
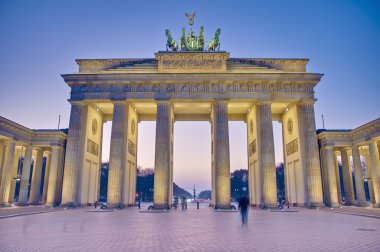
192,230
6,212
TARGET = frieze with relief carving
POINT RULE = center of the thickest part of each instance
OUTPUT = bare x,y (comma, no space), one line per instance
292,147
196,87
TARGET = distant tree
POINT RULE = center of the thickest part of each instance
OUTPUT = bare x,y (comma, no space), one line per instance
239,184
103,182
280,180
205,195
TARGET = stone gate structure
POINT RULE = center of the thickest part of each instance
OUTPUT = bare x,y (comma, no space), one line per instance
206,86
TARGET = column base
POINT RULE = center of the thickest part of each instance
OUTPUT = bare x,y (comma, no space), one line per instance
51,204
115,205
5,204
69,204
376,205
22,204
348,204
361,204
161,206
223,206
314,204
334,204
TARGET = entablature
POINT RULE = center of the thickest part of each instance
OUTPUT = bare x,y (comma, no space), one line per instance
357,136
25,136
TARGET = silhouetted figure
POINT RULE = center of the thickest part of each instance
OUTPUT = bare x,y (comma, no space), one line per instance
176,202
243,207
96,204
183,202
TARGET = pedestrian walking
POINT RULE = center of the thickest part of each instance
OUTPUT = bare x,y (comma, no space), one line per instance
243,207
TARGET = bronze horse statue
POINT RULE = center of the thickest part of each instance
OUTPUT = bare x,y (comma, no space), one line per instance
214,43
171,44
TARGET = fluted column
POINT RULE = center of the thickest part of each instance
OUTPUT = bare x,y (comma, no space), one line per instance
53,176
305,112
6,177
359,183
213,175
74,153
47,155
347,177
365,153
266,153
331,173
25,175
375,165
34,198
12,190
118,154
337,174
2,153
221,156
162,161
58,190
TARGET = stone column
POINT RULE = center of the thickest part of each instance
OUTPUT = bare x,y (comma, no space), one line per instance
34,198
331,173
365,153
213,194
305,111
25,175
6,177
336,164
47,155
266,153
74,153
162,156
375,165
58,190
2,153
221,156
347,177
118,154
53,176
359,183
16,160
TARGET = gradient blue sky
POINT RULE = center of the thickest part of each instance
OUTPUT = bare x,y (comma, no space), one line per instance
39,40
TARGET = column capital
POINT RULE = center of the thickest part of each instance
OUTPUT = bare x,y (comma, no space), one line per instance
9,141
119,102
78,103
163,102
328,147
373,141
259,102
307,101
220,101
55,147
337,152
347,148
46,152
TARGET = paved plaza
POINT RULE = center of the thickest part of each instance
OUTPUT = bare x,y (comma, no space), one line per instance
84,229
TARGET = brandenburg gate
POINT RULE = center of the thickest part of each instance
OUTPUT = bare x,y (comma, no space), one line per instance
191,86
184,83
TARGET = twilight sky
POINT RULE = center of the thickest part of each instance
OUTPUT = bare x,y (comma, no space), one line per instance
39,40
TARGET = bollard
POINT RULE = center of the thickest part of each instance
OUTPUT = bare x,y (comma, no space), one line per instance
197,204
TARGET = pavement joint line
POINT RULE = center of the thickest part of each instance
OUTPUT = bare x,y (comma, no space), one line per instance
357,214
22,214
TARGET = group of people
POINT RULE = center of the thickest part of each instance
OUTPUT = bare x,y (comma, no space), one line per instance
183,202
